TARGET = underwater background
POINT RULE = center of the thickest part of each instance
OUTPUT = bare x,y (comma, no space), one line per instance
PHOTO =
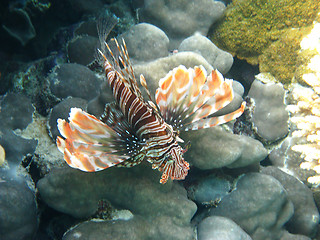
256,177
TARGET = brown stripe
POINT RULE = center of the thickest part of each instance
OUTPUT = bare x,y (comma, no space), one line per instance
138,115
111,83
154,134
111,80
128,104
155,158
144,121
118,94
163,145
107,70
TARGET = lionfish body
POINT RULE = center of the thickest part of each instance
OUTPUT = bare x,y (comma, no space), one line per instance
133,129
157,138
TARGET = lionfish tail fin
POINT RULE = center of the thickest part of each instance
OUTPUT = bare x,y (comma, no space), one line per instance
88,143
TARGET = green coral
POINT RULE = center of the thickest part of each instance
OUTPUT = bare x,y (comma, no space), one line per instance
282,58
251,26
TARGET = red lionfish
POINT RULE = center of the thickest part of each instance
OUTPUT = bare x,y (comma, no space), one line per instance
133,129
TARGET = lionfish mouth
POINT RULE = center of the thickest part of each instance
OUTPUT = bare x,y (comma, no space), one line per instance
174,167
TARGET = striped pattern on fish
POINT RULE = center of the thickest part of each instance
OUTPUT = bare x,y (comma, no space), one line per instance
160,146
134,129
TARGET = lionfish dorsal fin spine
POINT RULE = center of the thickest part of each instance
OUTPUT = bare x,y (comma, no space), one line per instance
104,27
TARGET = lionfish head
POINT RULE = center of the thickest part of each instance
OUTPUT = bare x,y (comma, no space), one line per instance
174,166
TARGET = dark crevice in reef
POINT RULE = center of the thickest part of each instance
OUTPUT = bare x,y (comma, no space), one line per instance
244,73
31,168
53,224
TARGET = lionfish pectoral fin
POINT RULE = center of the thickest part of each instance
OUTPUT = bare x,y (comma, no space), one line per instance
177,90
113,117
133,161
187,98
214,121
88,144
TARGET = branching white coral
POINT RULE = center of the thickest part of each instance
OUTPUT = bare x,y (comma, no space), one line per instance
306,112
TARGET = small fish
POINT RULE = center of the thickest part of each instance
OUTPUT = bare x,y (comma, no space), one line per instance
133,129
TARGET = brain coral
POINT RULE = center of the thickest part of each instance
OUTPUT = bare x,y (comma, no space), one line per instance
250,27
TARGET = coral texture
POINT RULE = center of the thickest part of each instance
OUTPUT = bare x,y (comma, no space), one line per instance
2,155
169,15
306,112
255,28
283,65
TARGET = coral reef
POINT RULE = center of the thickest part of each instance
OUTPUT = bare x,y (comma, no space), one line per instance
15,115
156,203
234,151
218,58
71,79
18,218
145,42
306,111
283,64
18,24
306,217
81,49
169,15
263,219
217,227
270,118
2,155
30,80
230,185
266,32
209,190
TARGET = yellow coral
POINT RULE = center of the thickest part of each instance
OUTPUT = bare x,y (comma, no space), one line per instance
267,32
2,155
306,112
